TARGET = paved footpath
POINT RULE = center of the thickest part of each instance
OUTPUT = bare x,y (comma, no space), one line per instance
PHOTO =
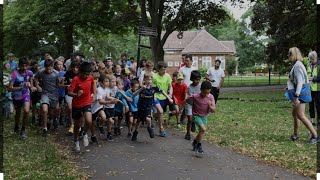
171,158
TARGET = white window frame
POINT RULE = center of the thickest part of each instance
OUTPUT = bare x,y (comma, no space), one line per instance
195,61
176,63
223,61
206,62
170,63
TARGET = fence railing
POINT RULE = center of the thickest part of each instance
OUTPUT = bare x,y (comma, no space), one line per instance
255,80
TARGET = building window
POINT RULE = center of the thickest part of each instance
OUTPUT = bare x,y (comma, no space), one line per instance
206,62
195,61
170,63
176,63
223,62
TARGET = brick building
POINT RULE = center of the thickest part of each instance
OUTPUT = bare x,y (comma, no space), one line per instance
203,47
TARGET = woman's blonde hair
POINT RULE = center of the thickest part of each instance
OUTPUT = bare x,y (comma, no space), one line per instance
312,55
295,54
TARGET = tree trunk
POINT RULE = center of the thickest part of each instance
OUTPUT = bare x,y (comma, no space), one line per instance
69,29
157,50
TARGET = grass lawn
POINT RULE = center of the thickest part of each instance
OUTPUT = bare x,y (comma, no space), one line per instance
262,130
253,80
36,157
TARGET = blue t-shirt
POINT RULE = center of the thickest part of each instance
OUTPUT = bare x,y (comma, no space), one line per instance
42,64
146,98
62,90
13,65
126,84
128,65
118,106
133,106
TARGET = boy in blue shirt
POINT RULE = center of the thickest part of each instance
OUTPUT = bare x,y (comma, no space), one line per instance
133,106
120,108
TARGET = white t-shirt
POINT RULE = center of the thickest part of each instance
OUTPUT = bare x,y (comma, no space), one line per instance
101,94
141,77
187,73
113,93
215,74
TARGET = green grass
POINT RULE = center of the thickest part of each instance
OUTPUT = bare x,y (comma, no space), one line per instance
36,157
262,130
253,80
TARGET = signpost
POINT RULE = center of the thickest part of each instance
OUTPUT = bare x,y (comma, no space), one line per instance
144,31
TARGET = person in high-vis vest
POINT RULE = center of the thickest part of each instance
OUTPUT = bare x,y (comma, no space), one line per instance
314,78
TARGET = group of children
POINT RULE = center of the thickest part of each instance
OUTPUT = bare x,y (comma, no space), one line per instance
97,97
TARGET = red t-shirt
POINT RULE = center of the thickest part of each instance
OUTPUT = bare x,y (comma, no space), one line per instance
78,84
179,92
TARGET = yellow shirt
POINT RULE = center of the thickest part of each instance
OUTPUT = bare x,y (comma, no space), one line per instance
163,83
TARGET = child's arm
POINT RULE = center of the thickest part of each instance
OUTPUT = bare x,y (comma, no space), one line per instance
212,106
169,98
126,97
71,89
94,90
139,90
112,101
36,82
33,89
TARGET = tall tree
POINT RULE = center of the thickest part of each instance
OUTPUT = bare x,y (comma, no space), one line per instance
50,21
171,15
288,23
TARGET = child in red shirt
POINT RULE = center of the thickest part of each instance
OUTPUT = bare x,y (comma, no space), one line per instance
83,89
180,90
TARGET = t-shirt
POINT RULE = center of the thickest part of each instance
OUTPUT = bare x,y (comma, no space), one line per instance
179,93
200,105
13,65
187,73
146,98
133,106
49,83
141,77
18,80
78,84
62,91
69,75
118,106
194,89
101,94
67,63
163,83
126,84
113,91
216,75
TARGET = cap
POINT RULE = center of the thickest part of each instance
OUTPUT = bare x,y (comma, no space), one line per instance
125,71
10,55
180,76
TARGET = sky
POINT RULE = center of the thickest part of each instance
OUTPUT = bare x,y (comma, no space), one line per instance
236,10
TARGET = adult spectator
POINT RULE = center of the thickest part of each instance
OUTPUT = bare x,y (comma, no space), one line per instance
12,61
142,66
186,70
183,58
68,62
133,67
216,76
124,62
298,79
314,79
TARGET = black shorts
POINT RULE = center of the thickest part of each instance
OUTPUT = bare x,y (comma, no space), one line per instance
61,100
119,115
35,97
78,112
133,114
143,114
18,103
96,114
109,112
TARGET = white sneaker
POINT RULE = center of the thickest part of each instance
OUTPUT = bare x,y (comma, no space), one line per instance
76,146
85,140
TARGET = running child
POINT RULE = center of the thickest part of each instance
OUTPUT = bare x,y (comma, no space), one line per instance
180,91
133,106
203,104
83,89
20,82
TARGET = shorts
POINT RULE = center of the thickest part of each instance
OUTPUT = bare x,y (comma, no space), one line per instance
46,100
173,107
188,110
35,97
19,103
119,115
68,99
143,114
78,112
96,114
164,104
133,114
61,100
199,120
109,112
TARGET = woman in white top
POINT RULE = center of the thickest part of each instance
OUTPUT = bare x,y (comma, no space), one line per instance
141,67
297,79
148,70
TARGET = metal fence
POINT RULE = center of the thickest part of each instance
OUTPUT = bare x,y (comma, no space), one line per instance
254,80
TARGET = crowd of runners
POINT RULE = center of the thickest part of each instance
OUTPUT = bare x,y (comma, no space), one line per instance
91,96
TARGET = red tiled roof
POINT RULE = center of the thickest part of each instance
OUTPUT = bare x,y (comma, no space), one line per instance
198,42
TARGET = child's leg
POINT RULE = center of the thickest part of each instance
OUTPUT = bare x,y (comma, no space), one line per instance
177,113
189,124
17,116
45,112
130,122
110,124
76,128
88,121
160,116
201,133
26,110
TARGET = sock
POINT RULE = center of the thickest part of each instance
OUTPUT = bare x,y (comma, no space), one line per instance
45,129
